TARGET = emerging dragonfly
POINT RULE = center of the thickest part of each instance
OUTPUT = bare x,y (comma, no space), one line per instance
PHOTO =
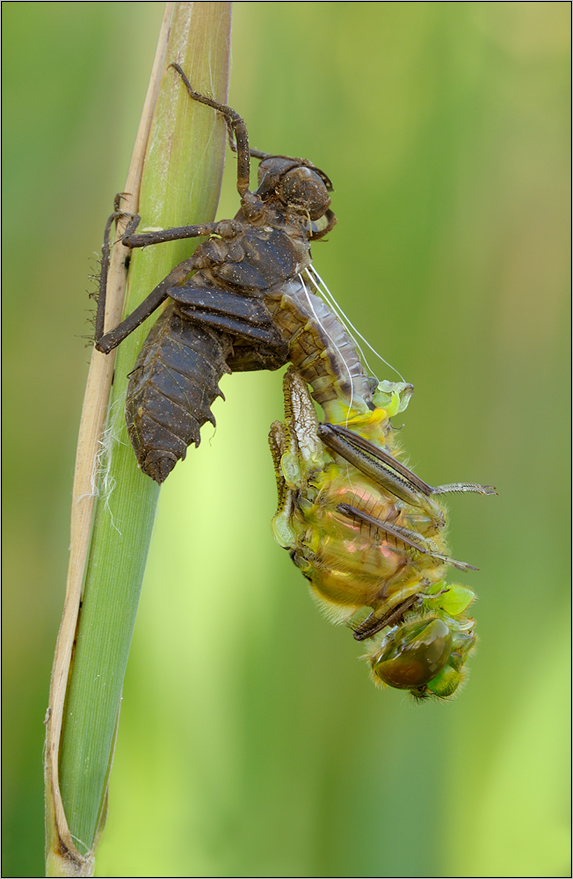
366,532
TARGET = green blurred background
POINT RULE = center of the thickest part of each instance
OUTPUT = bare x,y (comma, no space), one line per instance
251,740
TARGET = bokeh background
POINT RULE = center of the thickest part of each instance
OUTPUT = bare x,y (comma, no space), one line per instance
252,742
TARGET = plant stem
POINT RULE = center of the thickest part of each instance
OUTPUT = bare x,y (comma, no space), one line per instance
180,185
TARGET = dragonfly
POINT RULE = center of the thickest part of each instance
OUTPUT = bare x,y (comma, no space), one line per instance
365,531
368,535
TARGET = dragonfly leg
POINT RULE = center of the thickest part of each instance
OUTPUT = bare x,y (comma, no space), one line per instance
460,487
258,344
159,236
108,341
405,536
277,444
378,465
105,255
386,470
235,124
374,624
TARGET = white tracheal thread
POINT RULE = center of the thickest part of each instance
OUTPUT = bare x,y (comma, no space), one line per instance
327,296
322,290
343,359
350,328
102,482
333,343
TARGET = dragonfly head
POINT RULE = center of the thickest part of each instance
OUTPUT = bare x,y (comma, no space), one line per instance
424,655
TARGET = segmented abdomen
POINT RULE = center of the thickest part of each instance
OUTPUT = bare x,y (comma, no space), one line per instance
320,348
171,389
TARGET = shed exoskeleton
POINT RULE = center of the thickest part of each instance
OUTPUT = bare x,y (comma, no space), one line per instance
245,300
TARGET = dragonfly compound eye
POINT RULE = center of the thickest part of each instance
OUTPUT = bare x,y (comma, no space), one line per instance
304,188
414,654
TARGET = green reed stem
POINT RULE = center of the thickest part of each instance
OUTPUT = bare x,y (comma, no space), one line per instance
181,183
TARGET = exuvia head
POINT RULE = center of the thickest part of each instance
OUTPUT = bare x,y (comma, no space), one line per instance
296,183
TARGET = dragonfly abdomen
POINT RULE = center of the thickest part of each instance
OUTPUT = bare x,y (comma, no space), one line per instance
171,389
